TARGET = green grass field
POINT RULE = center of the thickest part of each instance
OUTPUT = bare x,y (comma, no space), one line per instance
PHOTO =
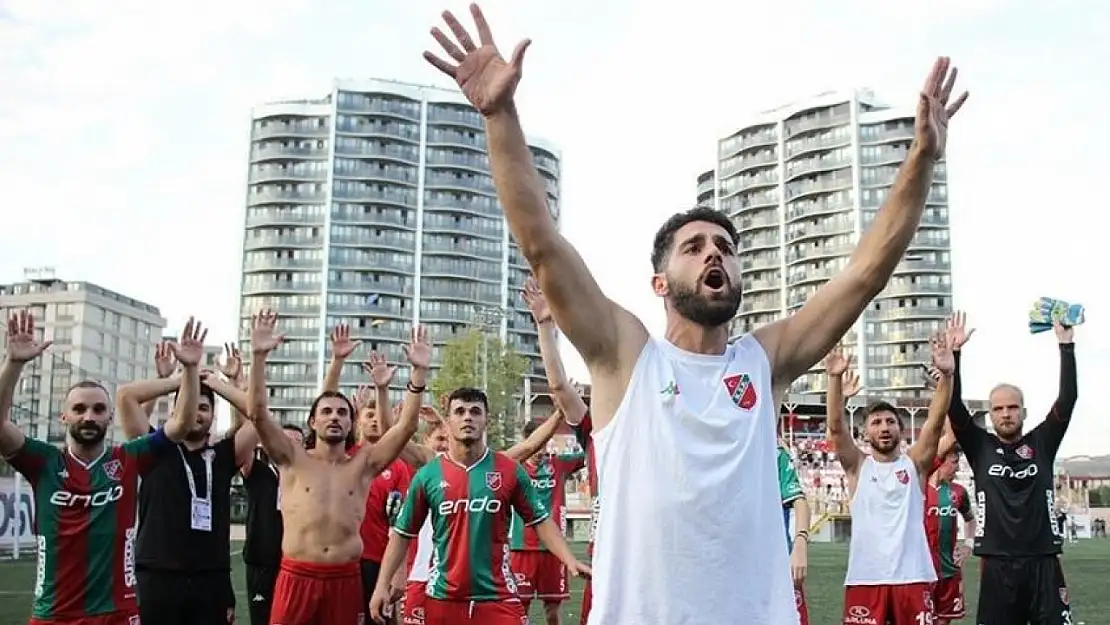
1084,565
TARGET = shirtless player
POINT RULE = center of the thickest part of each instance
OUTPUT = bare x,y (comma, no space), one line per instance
890,567
323,490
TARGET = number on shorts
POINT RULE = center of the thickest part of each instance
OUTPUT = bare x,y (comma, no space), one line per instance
1065,616
958,604
923,618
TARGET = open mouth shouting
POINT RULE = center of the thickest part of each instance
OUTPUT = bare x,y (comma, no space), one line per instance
714,279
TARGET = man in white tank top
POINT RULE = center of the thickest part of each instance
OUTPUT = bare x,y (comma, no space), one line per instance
684,425
890,566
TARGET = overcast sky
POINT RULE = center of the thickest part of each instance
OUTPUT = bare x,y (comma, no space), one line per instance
124,129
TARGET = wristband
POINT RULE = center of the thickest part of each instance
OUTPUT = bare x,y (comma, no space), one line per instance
415,390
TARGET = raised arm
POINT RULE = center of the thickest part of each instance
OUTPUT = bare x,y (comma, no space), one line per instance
392,442
566,397
22,347
246,437
538,440
796,343
924,451
842,385
1055,425
164,366
234,390
970,436
341,349
265,339
608,337
189,350
132,399
381,375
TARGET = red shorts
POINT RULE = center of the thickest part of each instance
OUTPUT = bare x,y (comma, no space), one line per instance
948,598
800,601
115,618
413,612
898,604
438,612
540,574
307,593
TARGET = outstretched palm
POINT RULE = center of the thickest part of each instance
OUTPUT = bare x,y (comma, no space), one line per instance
22,344
341,344
537,303
232,368
380,371
836,363
956,330
419,351
164,363
190,347
942,357
483,75
264,336
850,386
934,110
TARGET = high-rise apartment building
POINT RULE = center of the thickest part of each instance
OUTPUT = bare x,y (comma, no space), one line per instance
801,183
98,335
373,206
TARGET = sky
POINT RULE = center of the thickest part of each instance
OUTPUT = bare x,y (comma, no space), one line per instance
124,130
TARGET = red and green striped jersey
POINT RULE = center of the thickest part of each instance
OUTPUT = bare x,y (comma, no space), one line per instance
549,477
584,433
944,502
85,525
470,511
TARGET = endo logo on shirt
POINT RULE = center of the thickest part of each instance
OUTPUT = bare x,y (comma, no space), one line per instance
741,390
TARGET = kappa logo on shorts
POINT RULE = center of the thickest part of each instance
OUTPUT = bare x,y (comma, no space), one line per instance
741,390
114,470
418,612
903,477
1025,452
493,480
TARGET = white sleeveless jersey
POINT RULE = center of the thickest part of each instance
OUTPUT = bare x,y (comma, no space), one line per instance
888,526
691,528
422,565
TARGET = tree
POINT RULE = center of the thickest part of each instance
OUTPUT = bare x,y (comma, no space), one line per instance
463,365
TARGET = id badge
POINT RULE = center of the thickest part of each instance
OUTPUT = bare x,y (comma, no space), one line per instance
202,515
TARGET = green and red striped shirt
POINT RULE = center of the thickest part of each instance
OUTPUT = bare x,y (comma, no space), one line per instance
549,478
469,508
85,525
945,502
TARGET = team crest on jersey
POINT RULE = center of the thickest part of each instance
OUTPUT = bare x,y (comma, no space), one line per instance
1064,596
114,470
741,390
493,480
1025,452
386,474
902,476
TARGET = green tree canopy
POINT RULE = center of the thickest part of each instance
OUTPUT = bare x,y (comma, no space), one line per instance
466,359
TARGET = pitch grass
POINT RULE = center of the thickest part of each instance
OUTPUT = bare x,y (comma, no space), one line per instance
1085,565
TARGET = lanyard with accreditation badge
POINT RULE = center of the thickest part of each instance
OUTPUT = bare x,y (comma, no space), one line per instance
200,517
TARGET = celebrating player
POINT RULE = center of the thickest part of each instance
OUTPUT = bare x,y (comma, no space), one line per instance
944,501
665,409
467,493
794,499
87,493
1016,540
890,569
419,556
323,490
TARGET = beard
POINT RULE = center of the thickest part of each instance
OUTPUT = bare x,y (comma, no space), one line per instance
197,435
885,448
333,437
88,432
709,311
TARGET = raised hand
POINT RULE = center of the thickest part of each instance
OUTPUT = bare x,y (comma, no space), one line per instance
537,303
419,351
932,376
1064,334
381,374
850,385
956,330
341,344
429,415
484,77
22,344
942,357
363,395
836,363
164,362
232,367
934,110
264,336
189,349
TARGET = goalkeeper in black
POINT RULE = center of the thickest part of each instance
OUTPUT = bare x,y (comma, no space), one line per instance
1017,538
